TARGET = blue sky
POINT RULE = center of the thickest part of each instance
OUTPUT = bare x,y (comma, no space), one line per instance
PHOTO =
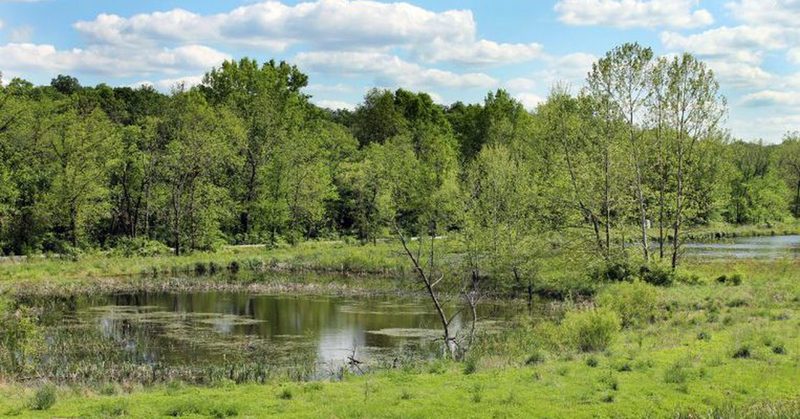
455,50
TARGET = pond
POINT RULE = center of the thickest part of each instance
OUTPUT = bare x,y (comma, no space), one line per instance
747,247
194,336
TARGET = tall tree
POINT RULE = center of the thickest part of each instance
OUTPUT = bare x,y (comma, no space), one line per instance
81,149
200,143
694,110
268,99
790,164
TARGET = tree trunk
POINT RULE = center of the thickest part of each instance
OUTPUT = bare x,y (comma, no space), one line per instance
678,211
450,347
797,200
607,201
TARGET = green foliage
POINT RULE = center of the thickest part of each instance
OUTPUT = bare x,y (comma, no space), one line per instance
19,336
139,247
44,398
734,279
676,374
658,275
635,303
590,330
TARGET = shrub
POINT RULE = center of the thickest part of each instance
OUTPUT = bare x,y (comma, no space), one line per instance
590,330
657,275
44,398
592,362
537,357
635,302
742,352
285,394
615,271
139,246
733,279
470,365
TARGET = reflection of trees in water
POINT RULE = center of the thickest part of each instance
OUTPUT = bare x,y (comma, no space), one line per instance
198,336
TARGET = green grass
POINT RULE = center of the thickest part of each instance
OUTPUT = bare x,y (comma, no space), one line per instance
709,349
59,275
709,378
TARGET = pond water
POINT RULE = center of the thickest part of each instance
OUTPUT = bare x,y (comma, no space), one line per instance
187,332
747,247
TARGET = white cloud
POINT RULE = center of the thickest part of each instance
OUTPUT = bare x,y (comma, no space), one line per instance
390,70
1,24
335,104
740,74
275,25
773,12
186,81
520,83
479,52
793,55
325,88
322,24
108,60
766,98
529,100
634,13
741,43
571,69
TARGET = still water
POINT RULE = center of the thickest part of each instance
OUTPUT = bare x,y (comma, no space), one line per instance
747,247
188,330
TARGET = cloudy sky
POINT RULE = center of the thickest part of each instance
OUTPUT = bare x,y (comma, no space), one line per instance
455,50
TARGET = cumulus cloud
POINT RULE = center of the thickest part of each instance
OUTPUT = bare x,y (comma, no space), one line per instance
108,60
634,13
276,25
480,52
529,100
324,24
766,98
741,43
773,12
520,83
390,70
334,104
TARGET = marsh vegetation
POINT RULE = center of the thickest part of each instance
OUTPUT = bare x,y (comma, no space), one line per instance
232,249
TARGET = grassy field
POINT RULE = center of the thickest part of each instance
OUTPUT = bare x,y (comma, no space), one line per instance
723,341
711,350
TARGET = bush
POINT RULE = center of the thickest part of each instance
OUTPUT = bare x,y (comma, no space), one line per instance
659,275
139,246
742,352
634,302
615,271
44,398
285,394
537,357
733,279
590,330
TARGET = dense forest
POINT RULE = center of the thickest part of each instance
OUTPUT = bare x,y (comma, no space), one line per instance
634,156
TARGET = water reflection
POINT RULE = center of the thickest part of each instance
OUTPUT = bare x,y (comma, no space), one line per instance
217,327
770,247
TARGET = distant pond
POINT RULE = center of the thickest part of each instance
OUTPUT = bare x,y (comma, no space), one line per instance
233,335
747,247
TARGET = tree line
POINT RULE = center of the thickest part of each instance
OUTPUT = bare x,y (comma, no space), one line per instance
634,156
